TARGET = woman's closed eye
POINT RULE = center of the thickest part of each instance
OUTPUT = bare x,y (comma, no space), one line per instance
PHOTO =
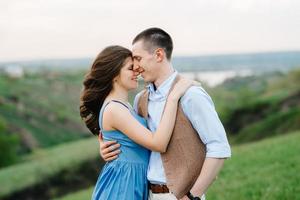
137,58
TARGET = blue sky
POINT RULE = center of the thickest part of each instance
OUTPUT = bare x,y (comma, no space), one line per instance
37,29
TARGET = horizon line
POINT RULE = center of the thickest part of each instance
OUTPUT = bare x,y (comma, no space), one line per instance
174,56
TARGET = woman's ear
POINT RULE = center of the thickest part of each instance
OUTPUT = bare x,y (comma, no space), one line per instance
116,79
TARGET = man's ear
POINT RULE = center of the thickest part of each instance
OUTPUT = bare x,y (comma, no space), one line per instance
159,54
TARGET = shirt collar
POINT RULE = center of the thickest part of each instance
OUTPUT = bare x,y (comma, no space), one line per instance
164,88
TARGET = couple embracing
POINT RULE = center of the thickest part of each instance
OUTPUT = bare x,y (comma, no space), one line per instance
170,144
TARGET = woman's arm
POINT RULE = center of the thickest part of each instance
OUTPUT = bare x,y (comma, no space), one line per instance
121,119
118,117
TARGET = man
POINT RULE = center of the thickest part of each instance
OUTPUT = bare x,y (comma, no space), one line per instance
152,51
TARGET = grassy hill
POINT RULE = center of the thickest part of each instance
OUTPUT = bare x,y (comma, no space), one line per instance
268,169
44,164
40,111
258,107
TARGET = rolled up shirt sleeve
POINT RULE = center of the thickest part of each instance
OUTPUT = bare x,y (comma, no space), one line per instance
200,110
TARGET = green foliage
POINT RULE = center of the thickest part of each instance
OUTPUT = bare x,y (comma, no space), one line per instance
44,105
3,124
277,123
43,164
8,149
257,107
8,145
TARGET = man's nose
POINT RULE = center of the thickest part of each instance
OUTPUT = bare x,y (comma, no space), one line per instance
135,66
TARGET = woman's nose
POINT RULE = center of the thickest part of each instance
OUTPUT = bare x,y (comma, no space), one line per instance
136,73
135,67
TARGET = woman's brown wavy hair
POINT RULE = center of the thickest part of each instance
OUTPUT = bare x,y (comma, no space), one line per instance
98,83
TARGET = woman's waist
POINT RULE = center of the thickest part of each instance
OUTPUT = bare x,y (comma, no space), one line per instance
124,162
124,141
134,154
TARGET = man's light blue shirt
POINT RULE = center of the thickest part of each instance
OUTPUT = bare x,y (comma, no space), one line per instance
199,109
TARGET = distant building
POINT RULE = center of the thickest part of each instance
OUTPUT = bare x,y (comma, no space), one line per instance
13,71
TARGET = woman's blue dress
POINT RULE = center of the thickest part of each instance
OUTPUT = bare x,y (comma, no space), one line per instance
126,177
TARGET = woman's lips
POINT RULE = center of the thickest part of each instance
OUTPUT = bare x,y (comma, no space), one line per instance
134,78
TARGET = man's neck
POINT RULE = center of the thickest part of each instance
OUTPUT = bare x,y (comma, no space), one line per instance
164,75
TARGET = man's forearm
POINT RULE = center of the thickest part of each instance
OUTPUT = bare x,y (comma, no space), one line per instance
209,172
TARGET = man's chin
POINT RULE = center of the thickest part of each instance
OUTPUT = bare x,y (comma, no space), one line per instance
145,78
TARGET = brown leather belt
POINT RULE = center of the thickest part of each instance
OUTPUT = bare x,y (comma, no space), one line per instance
156,188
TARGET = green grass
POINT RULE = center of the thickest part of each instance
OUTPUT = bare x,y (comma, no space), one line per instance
273,124
268,169
46,106
46,163
80,195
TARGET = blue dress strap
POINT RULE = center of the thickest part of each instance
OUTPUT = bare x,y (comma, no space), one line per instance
103,108
120,103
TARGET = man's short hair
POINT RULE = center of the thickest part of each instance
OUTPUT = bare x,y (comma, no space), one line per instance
156,38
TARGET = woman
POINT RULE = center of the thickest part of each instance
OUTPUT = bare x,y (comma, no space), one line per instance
105,107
